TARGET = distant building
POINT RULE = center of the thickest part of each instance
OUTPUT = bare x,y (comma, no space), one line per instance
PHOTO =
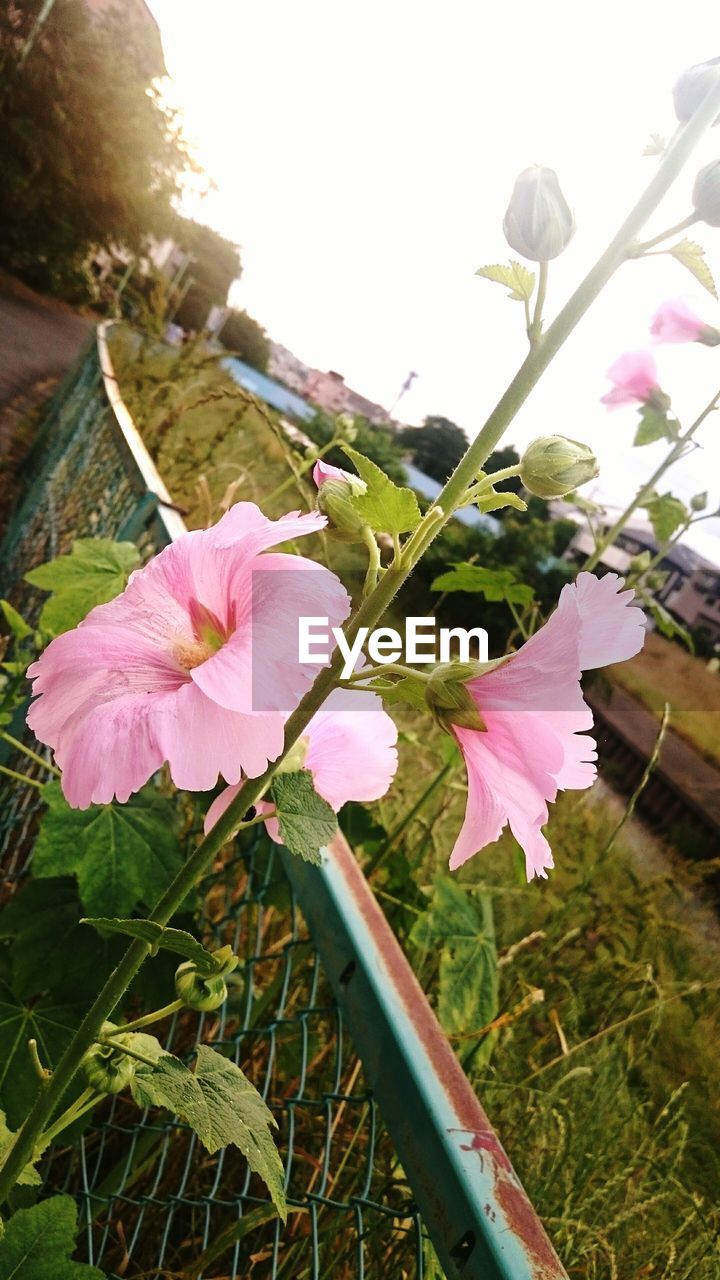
327,390
691,590
288,368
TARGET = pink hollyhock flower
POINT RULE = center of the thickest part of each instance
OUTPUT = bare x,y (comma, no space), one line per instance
174,668
323,471
674,321
535,716
348,746
635,377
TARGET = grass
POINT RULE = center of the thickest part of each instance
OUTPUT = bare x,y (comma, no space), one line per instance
666,672
605,1091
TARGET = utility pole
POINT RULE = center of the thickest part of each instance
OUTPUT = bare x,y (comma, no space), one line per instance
404,388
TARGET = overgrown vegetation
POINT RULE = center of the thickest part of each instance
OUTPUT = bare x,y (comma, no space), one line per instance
665,671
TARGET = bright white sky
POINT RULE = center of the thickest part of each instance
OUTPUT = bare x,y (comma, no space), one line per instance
364,154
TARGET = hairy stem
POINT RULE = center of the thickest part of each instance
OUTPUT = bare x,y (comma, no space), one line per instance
368,614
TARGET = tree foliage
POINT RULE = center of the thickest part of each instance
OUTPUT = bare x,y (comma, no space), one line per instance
215,264
90,155
436,447
247,339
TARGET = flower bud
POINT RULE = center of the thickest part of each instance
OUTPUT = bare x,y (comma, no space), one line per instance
553,466
538,221
345,427
334,501
706,194
449,699
699,502
106,1067
198,991
692,88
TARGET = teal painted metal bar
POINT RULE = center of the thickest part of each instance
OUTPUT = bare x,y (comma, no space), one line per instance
476,1212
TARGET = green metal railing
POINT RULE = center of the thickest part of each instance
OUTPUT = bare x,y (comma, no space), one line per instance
384,1142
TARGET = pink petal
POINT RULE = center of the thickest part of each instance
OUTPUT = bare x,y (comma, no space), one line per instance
674,321
201,740
635,377
351,752
121,731
323,471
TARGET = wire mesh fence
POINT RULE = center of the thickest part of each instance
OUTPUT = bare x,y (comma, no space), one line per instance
155,1203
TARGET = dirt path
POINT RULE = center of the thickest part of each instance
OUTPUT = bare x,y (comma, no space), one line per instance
39,339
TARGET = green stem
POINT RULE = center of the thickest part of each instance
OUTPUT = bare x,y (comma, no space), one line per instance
485,486
386,669
368,614
302,469
123,1048
535,333
87,1099
373,570
637,250
21,777
166,1012
646,491
32,755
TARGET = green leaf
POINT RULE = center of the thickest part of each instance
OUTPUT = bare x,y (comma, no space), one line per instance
51,951
493,584
407,690
666,624
692,256
175,940
38,1243
654,425
121,854
29,1176
221,1105
385,507
517,278
17,624
461,925
96,571
47,1021
307,822
666,515
655,146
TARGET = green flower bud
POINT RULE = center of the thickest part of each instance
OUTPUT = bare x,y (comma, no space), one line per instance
334,500
538,221
450,701
553,466
706,194
198,991
345,427
692,88
106,1067
699,502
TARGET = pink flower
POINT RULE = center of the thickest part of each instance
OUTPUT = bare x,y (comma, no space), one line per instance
675,322
532,705
323,471
635,378
196,663
348,746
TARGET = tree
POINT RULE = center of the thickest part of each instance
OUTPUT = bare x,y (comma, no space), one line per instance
247,339
215,265
436,447
90,155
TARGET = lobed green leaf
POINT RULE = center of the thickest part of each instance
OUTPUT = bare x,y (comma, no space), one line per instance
385,507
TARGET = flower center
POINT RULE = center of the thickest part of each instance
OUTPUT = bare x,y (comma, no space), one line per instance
190,653
209,637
